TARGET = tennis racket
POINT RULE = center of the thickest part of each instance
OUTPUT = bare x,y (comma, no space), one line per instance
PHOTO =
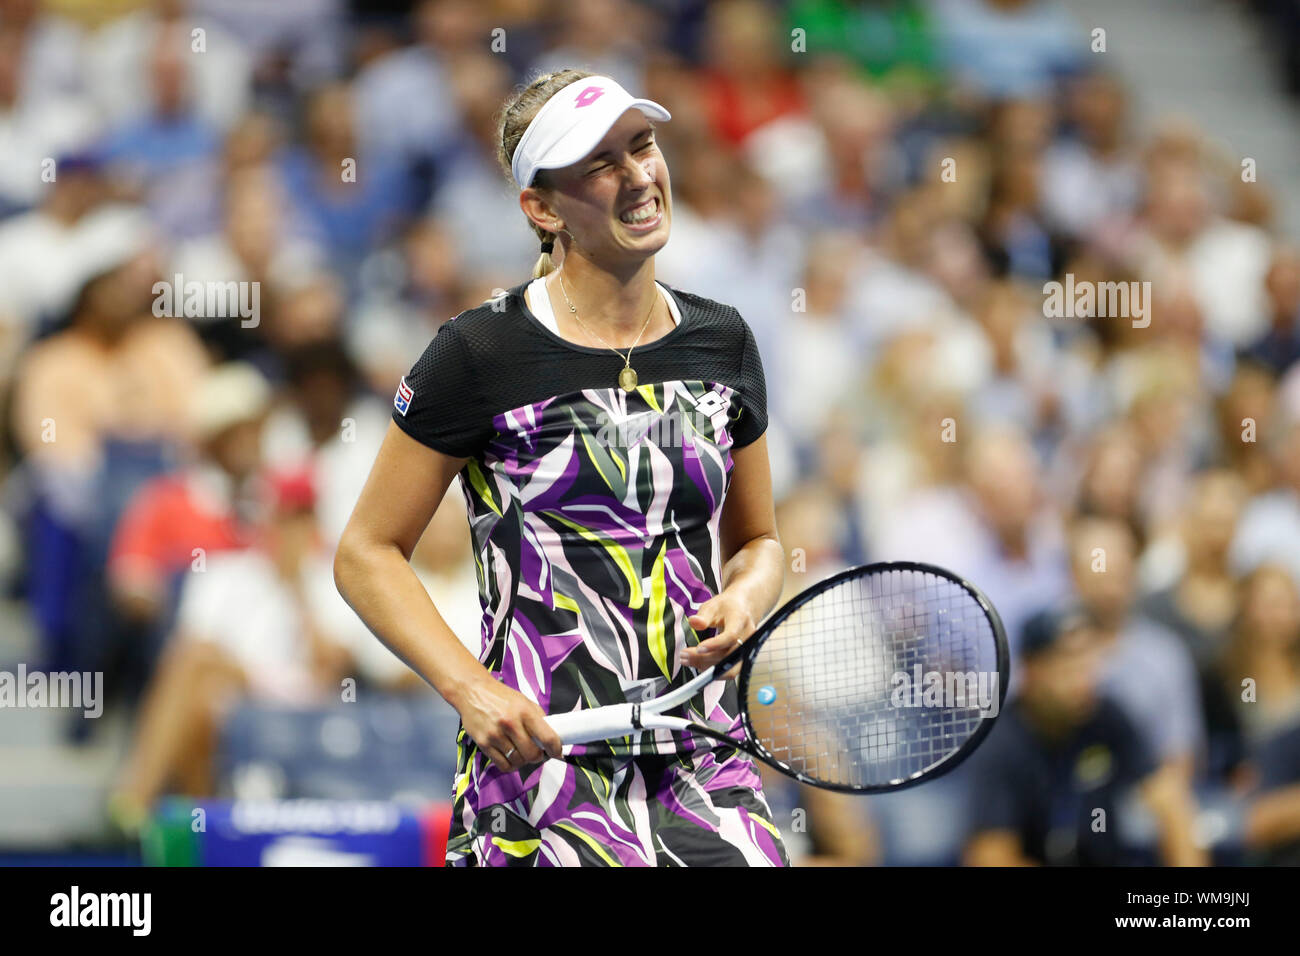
877,678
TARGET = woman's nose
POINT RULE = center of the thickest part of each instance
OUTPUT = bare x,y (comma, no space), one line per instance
639,173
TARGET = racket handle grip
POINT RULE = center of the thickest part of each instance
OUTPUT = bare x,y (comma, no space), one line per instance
599,723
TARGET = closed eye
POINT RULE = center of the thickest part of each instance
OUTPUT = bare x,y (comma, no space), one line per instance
603,166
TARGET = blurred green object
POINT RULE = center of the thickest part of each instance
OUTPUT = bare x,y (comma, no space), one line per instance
889,39
168,838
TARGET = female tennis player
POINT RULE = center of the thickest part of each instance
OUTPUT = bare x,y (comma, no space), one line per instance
608,433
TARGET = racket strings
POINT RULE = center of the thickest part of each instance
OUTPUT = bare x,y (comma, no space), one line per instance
875,680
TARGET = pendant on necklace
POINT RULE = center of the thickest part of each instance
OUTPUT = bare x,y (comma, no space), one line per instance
627,379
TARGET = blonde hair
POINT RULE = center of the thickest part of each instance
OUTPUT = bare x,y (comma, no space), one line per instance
517,113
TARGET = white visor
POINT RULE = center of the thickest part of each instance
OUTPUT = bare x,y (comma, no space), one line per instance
572,123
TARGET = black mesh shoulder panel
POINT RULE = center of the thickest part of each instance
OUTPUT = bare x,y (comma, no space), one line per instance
496,357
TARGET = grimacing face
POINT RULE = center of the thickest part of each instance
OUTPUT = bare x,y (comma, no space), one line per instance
589,196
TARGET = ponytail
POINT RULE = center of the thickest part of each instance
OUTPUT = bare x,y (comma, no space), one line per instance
515,117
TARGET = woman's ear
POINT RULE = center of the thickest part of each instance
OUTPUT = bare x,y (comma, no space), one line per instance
537,209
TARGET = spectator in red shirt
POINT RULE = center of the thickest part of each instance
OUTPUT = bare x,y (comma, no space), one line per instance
174,522
747,86
264,623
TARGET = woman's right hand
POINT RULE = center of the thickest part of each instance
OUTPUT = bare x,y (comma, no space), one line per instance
506,725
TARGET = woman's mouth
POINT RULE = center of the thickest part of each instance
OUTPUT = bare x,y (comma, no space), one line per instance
643,216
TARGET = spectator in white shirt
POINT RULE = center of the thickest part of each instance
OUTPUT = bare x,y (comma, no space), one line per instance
263,623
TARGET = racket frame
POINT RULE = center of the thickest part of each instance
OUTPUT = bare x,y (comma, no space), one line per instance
949,763
604,723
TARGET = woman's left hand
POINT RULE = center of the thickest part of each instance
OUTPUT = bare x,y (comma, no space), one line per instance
731,616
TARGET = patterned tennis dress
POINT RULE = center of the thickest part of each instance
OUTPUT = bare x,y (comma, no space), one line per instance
595,519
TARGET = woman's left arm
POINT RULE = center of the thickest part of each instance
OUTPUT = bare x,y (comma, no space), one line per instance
753,560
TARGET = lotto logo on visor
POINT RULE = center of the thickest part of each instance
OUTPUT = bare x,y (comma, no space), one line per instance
572,123
402,400
587,97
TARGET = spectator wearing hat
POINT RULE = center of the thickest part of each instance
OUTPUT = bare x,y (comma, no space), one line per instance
1054,780
264,623
175,521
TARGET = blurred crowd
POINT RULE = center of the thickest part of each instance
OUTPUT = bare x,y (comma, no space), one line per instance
882,188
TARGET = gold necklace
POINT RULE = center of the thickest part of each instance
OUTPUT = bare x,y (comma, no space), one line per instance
627,377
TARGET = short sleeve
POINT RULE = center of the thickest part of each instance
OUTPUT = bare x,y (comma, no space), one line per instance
752,420
437,400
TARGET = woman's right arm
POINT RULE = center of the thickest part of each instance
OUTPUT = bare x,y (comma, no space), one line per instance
373,574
